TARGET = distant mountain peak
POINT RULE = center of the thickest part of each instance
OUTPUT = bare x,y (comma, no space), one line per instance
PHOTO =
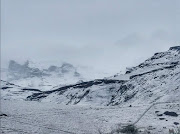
33,75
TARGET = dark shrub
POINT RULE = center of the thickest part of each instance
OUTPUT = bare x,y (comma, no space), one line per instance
130,129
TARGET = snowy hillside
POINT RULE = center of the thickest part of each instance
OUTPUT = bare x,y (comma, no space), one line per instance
10,91
155,80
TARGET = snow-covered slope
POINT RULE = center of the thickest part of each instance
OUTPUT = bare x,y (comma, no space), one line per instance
155,80
10,91
100,92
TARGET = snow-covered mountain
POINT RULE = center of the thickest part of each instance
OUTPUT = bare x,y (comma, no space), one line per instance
155,80
46,76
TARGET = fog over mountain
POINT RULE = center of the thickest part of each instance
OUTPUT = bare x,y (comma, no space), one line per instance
101,34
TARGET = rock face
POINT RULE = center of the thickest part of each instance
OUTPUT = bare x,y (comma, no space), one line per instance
24,71
65,68
155,80
18,71
29,76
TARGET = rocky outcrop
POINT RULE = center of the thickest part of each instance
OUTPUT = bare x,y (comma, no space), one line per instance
17,71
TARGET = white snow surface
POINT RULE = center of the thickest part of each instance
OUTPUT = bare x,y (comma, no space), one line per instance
49,118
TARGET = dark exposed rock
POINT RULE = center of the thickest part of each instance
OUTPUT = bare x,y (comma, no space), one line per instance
128,70
31,89
176,123
124,88
128,97
6,87
81,97
155,70
158,55
133,76
3,115
174,114
160,115
18,71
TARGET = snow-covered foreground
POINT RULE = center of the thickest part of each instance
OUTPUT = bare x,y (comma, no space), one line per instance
30,117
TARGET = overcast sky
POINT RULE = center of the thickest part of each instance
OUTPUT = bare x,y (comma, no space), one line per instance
106,34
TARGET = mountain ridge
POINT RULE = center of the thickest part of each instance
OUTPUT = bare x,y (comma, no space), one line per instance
148,82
